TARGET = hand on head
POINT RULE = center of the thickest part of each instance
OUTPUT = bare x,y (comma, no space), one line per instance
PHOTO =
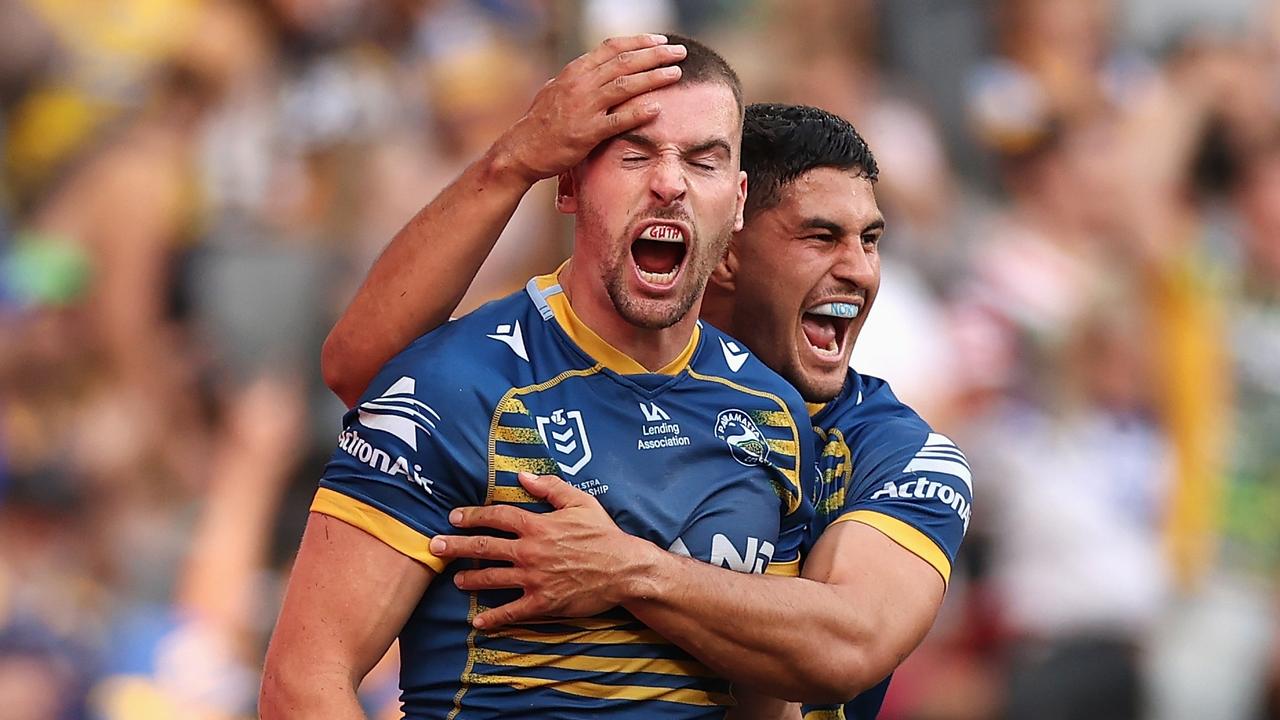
596,96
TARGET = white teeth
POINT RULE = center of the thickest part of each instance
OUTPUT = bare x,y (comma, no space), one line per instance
658,278
831,350
662,233
836,309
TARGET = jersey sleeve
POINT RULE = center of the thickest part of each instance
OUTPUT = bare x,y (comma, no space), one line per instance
408,454
917,489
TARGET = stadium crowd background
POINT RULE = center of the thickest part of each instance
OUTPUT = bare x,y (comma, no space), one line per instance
1081,286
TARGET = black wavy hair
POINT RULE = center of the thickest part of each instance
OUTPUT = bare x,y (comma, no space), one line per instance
782,142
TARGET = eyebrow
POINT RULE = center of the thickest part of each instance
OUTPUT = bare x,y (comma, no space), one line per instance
647,143
821,223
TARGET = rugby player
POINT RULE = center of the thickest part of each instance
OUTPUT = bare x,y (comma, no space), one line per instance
560,377
893,497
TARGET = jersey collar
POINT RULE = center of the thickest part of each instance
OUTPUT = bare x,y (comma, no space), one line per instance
547,294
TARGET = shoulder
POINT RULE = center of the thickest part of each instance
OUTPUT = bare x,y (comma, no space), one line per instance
482,353
868,414
727,361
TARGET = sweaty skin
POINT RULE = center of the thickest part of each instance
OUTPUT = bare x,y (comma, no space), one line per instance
869,598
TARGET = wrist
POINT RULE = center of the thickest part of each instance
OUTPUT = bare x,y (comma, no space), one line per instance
500,167
642,576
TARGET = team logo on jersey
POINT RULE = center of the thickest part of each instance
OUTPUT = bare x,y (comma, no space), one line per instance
746,443
399,413
566,436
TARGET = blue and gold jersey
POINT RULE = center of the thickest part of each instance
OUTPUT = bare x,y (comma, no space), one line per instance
702,457
883,466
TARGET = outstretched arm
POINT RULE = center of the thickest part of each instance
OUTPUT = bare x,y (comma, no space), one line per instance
595,97
863,604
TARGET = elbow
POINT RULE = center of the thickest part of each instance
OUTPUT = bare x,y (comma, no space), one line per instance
279,697
336,371
845,676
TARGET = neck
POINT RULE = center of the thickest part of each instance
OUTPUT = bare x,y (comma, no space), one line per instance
653,349
717,308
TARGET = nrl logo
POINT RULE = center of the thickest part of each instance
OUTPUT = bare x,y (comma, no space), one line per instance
565,435
746,443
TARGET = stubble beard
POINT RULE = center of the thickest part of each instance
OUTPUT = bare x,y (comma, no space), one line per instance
653,314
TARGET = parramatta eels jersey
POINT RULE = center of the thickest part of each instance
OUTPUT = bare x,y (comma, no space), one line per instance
882,465
703,457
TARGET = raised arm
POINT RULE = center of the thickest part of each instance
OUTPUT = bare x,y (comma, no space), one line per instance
595,97
863,604
348,597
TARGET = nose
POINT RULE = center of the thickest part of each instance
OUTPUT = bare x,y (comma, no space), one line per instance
856,266
667,181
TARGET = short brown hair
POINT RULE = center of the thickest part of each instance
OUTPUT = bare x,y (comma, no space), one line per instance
703,65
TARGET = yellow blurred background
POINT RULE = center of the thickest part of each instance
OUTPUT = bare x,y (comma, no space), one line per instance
1081,285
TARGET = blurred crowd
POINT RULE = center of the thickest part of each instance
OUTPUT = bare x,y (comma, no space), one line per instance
1081,285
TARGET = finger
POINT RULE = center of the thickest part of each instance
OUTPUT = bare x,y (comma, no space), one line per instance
494,578
496,517
626,87
478,547
526,608
554,490
628,115
611,47
636,61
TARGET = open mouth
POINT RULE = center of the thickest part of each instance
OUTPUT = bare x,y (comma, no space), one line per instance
658,253
827,325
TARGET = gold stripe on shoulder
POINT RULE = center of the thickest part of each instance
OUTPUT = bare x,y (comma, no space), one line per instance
404,539
825,714
512,405
772,418
517,435
536,465
905,535
786,447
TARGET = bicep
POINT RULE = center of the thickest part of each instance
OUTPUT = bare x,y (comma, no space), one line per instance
348,597
889,587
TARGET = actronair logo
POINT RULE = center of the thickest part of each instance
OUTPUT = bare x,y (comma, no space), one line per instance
399,413
381,460
918,488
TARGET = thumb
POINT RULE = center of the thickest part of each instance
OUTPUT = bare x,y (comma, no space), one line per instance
555,491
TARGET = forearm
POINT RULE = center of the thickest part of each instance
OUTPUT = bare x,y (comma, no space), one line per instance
791,638
422,274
